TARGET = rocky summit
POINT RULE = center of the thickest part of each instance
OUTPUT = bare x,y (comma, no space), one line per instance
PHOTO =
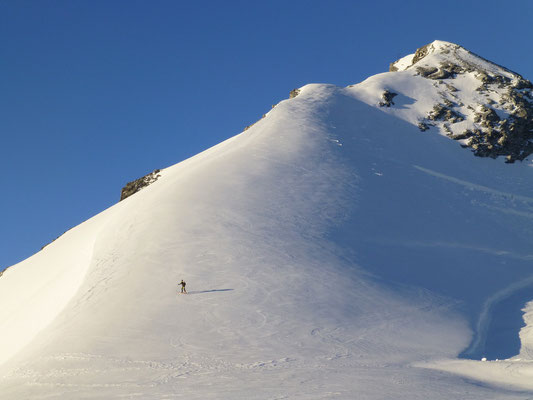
494,118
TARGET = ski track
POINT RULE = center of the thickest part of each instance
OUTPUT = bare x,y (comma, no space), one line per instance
474,186
485,315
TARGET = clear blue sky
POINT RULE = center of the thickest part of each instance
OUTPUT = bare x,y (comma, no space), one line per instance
97,93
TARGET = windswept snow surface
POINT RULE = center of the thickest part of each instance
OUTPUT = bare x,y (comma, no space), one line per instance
331,251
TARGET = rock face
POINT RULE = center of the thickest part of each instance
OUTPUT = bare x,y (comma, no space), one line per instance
497,119
387,97
445,112
138,184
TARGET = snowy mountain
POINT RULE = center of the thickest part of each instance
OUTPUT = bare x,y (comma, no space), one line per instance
342,247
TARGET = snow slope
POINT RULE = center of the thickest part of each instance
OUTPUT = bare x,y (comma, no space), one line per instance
331,251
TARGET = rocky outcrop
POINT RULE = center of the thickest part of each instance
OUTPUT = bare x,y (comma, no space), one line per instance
442,112
423,126
130,188
138,184
498,121
511,137
293,93
387,97
421,53
444,71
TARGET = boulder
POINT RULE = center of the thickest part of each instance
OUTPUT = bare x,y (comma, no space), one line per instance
293,93
387,97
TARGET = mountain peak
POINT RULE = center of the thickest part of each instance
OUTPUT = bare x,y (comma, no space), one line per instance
449,58
435,47
489,108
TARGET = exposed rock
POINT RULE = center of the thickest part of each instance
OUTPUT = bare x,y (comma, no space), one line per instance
387,97
485,78
487,117
441,112
447,129
421,53
522,83
138,184
5,270
423,126
465,135
446,70
453,69
451,88
130,188
426,72
511,137
489,133
448,103
294,93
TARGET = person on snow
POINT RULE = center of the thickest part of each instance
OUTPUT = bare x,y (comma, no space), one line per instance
182,283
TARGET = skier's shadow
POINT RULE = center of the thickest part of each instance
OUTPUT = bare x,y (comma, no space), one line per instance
209,291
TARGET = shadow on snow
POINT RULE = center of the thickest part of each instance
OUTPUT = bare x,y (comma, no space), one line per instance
502,339
209,291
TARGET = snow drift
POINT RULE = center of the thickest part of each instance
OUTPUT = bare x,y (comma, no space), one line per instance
332,250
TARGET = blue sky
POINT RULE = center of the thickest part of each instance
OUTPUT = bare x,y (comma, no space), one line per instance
97,93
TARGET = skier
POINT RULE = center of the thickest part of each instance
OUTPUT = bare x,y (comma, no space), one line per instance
182,283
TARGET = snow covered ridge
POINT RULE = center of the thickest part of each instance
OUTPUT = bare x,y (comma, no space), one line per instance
485,106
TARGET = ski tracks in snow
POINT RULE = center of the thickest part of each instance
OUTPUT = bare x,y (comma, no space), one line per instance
475,186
